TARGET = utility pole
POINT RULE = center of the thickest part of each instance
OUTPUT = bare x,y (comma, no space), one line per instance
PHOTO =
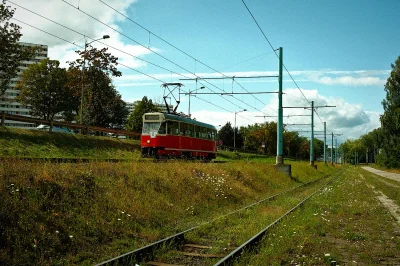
324,142
336,152
355,158
81,113
279,152
312,135
332,150
234,129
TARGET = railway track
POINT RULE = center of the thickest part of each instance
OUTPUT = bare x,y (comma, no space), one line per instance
91,160
211,243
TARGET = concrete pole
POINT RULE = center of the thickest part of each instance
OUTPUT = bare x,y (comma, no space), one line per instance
189,104
234,134
279,151
81,113
336,152
332,150
354,158
312,135
325,142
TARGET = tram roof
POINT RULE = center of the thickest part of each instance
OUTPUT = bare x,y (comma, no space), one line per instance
183,119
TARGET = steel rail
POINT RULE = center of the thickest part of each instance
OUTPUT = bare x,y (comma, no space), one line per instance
146,252
255,240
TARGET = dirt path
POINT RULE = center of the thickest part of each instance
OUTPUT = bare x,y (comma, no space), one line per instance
392,176
389,204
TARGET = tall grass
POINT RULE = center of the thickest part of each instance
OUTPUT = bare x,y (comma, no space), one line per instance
343,224
82,213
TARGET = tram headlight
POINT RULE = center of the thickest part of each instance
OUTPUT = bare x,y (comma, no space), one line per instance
148,141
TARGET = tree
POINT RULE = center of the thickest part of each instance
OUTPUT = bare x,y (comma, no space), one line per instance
43,88
226,134
390,120
11,53
91,78
135,120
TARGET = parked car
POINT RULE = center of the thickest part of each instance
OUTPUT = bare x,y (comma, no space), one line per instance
55,129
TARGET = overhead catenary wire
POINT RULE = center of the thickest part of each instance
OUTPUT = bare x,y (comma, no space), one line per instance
118,50
27,24
195,59
155,52
138,71
278,56
274,50
246,60
121,51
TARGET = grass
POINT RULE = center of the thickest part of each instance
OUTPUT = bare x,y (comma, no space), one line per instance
20,143
81,214
233,156
343,223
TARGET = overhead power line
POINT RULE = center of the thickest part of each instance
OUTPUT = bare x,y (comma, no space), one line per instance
265,36
165,58
70,42
185,53
123,52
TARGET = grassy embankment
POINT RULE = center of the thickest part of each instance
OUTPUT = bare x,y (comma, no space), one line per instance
17,143
344,223
74,214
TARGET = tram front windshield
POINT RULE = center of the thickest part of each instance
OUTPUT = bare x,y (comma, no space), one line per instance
150,127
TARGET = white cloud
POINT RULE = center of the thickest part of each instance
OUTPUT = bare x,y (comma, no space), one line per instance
348,119
81,25
349,81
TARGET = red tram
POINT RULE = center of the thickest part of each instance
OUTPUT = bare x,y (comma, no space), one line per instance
170,135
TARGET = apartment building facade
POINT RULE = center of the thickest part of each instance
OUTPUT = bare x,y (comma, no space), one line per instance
8,104
163,109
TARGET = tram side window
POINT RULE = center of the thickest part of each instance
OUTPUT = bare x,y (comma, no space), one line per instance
162,129
209,133
190,130
196,131
213,133
183,129
173,128
203,133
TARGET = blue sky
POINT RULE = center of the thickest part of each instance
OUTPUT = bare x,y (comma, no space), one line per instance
338,52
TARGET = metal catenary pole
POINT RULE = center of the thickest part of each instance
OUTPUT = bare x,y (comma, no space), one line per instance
332,150
279,152
325,142
355,158
336,151
312,135
234,134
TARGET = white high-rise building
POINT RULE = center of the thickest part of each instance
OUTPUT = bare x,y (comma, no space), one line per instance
161,106
8,104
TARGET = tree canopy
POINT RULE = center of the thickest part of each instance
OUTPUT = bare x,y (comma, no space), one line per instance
43,88
390,120
91,81
226,135
135,120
